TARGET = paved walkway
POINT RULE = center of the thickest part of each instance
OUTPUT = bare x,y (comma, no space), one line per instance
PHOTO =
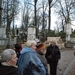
70,69
65,63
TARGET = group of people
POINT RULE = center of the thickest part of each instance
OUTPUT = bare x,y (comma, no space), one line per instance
31,59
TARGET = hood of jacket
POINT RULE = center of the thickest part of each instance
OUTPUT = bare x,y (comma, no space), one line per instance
26,49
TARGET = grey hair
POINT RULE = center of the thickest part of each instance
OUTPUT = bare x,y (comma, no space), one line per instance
7,54
29,43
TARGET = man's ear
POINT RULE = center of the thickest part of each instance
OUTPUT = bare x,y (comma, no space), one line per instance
7,61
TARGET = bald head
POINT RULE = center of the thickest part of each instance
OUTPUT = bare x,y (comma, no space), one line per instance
53,43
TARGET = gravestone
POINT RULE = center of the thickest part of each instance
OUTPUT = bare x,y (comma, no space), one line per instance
31,34
3,39
68,32
58,41
2,31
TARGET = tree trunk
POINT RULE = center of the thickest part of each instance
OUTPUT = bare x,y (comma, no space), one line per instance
49,22
7,28
0,12
43,22
35,23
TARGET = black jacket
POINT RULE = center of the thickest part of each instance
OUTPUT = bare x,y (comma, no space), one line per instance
56,54
8,70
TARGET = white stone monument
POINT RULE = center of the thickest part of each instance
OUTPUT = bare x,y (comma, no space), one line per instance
2,31
68,31
31,34
3,39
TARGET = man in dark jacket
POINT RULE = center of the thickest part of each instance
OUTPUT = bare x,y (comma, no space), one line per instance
8,62
53,56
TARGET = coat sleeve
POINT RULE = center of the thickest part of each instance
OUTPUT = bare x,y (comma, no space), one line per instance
59,54
47,52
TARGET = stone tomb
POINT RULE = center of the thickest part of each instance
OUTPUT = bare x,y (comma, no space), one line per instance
58,41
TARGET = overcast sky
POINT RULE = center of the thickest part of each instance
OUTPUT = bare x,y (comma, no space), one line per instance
53,19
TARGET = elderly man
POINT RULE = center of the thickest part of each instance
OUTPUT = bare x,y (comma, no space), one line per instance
53,56
8,62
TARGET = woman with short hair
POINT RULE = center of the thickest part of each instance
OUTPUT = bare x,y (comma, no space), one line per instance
28,62
8,62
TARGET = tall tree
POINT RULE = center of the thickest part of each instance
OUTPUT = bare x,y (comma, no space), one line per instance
25,16
51,3
10,8
66,11
44,17
43,20
35,23
0,11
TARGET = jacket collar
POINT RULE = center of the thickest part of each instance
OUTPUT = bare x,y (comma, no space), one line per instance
6,64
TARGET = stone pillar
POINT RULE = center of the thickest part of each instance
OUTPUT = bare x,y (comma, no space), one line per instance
31,34
68,32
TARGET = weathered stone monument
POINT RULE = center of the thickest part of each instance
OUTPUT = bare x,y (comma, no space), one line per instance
3,39
31,34
68,32
58,41
2,31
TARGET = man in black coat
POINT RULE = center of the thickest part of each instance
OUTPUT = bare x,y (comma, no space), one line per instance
53,55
